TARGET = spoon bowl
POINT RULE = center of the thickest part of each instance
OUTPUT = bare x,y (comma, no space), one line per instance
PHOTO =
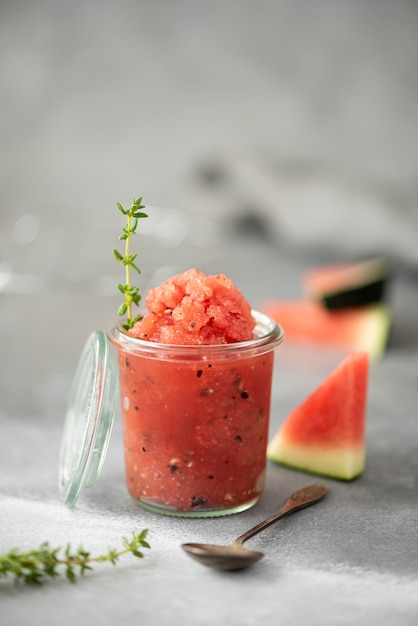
235,556
231,557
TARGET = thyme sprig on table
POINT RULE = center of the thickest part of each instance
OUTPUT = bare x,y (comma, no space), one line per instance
130,292
34,566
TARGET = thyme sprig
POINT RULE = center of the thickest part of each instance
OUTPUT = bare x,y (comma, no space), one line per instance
34,566
130,292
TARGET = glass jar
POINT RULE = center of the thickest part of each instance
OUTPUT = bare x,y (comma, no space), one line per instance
196,420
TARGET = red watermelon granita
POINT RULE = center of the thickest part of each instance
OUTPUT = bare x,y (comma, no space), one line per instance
195,383
192,308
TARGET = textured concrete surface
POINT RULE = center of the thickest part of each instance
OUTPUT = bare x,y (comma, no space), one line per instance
279,134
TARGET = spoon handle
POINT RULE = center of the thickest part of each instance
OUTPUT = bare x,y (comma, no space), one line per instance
298,500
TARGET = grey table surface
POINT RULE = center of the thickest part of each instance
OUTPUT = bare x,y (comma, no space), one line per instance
351,559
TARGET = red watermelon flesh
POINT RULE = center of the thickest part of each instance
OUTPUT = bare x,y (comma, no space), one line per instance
326,433
353,329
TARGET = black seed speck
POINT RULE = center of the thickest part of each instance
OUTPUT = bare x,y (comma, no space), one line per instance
238,438
209,364
136,408
173,468
198,500
199,373
192,324
144,449
245,395
126,361
211,477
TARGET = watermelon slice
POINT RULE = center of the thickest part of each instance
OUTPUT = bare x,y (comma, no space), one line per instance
348,285
326,433
354,329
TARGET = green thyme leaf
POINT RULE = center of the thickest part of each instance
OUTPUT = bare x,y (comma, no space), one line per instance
131,293
35,566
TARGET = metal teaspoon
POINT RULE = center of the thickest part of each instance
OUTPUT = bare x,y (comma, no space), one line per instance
235,556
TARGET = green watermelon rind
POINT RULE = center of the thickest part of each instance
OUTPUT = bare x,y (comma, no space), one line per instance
362,284
376,332
278,457
355,296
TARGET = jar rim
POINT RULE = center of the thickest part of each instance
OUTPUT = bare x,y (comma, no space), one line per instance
267,335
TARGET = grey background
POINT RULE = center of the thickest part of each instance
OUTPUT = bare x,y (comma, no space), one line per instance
308,110
265,136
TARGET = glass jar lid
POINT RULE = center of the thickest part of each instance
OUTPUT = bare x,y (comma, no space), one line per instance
89,419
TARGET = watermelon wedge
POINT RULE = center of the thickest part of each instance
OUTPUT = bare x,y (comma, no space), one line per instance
326,433
348,285
364,329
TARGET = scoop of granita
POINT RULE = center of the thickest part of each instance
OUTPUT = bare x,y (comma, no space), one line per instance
192,308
